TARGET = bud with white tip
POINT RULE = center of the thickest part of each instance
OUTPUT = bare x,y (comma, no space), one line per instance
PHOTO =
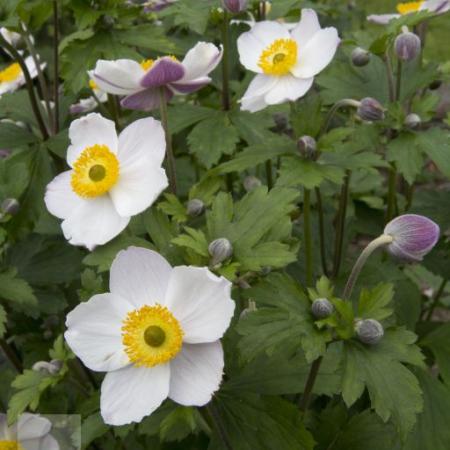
412,121
235,6
322,308
370,110
220,250
251,183
10,206
407,45
360,57
195,207
51,368
307,146
369,331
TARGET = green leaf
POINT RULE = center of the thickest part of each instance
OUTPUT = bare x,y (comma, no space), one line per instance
373,303
194,240
183,116
92,428
18,292
435,142
173,207
12,136
253,127
438,341
180,423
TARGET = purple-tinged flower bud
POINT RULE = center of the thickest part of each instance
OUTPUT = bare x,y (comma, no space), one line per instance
370,110
413,236
220,250
307,146
369,331
412,121
195,207
360,57
322,308
4,153
251,183
407,46
10,206
235,6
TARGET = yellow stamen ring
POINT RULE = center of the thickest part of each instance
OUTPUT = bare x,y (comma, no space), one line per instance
95,172
147,64
11,73
93,85
279,57
10,445
151,335
409,7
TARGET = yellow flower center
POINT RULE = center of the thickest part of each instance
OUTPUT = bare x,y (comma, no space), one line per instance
95,172
10,445
11,73
93,85
147,64
409,7
151,336
279,57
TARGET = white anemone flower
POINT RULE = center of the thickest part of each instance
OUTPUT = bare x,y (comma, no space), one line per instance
434,6
141,83
88,104
12,77
156,334
31,432
285,61
111,178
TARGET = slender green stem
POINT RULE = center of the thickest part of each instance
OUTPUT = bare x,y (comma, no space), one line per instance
169,151
307,236
399,79
112,106
29,84
436,299
56,65
380,241
409,196
11,355
391,197
390,77
310,381
218,424
334,109
269,174
340,227
320,213
226,62
262,10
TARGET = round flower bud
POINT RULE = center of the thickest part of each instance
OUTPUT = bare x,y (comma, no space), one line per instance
360,57
413,236
307,146
251,183
407,46
370,110
412,121
220,250
10,206
4,153
322,308
51,368
195,207
281,121
369,331
235,6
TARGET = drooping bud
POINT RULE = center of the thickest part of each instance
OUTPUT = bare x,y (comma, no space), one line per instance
235,6
251,183
51,368
369,331
10,206
360,57
413,236
370,110
220,250
195,207
307,146
250,308
412,121
322,308
407,45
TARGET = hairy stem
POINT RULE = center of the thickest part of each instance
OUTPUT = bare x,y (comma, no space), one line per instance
310,381
390,77
392,193
307,236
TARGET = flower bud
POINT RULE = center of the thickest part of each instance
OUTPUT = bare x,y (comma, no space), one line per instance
407,46
251,183
370,110
307,146
4,153
235,6
220,250
369,331
322,308
413,236
360,57
412,121
51,368
250,308
195,207
10,206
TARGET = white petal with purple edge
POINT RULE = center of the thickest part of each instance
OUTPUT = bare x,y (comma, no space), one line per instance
196,373
437,6
164,71
145,100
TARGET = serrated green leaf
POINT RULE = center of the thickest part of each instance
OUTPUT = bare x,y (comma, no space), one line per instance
18,293
173,207
438,341
194,240
373,303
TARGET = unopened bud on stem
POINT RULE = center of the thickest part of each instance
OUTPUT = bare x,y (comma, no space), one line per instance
407,45
235,6
10,206
251,183
369,331
220,250
370,110
195,207
307,146
360,57
412,121
322,308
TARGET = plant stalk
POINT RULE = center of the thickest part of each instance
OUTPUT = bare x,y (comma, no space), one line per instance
436,299
334,109
11,355
320,213
310,381
56,66
225,62
399,80
307,236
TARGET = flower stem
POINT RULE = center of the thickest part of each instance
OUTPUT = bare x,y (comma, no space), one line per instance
391,197
169,151
380,241
320,213
218,424
11,355
56,65
390,77
225,62
334,109
310,381
399,79
307,236
436,299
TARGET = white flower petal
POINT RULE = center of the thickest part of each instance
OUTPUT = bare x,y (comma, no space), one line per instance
382,19
253,42
438,6
253,99
317,54
94,222
130,394
140,275
201,302
307,27
288,88
120,77
60,199
196,373
94,332
31,426
45,443
200,61
88,131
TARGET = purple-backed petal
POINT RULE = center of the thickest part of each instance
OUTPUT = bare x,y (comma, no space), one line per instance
164,71
187,87
414,236
382,19
145,100
437,6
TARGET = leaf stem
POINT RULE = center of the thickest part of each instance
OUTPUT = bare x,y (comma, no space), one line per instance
307,236
310,381
218,424
390,77
436,299
56,65
169,150
320,213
